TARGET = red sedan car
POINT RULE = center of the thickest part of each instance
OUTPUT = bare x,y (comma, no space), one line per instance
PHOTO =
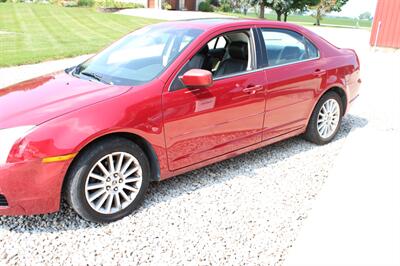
164,100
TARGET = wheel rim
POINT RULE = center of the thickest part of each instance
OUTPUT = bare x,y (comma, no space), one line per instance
328,118
113,182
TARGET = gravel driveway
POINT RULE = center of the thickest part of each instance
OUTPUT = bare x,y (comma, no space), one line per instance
246,210
243,210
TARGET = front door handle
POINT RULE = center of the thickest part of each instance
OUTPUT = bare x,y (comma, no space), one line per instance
319,72
252,89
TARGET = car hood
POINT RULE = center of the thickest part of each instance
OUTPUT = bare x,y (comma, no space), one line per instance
35,101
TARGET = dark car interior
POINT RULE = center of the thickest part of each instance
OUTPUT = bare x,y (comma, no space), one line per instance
228,54
278,55
224,55
284,47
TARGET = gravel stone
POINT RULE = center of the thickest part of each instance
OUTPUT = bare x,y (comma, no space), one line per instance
244,210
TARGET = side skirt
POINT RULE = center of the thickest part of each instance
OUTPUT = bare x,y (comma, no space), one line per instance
233,153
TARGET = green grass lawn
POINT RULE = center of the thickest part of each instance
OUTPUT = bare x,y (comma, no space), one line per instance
31,33
38,32
308,20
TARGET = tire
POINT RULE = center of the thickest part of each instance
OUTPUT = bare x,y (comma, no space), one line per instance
312,133
86,177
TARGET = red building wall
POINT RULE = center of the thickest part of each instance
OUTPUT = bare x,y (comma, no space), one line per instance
386,27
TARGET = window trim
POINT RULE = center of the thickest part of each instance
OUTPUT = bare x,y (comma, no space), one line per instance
287,64
254,59
261,49
264,58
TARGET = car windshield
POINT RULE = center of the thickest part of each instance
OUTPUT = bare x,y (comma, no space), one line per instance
138,57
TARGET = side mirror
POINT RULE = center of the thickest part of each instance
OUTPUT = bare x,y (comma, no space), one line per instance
195,78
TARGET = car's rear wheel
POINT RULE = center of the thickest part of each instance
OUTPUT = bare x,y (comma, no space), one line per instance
325,120
108,180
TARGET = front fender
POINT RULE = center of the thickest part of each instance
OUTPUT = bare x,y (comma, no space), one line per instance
136,112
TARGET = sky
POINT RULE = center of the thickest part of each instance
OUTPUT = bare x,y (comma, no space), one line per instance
354,8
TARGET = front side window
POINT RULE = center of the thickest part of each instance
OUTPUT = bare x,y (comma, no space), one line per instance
139,57
284,46
225,55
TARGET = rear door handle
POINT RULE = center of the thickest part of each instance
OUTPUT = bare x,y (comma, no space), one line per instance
252,89
319,72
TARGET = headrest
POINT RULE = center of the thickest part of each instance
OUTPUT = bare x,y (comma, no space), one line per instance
238,50
204,50
290,52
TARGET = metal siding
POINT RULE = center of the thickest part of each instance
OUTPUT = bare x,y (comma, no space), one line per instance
397,26
387,12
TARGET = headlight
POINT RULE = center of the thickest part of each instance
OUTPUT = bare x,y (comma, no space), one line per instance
8,137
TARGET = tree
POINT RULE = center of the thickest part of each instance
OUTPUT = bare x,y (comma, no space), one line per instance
245,4
326,6
261,5
241,5
225,5
366,15
300,6
284,7
280,7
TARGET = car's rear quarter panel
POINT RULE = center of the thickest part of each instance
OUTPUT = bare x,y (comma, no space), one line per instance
344,72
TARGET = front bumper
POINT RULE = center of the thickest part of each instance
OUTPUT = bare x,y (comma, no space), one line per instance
31,187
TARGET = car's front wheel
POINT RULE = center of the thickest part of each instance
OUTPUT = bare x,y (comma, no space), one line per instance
108,180
325,120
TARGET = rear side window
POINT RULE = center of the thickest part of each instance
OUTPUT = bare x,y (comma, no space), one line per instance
285,46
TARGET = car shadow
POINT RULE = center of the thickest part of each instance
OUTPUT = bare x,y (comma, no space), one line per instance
66,219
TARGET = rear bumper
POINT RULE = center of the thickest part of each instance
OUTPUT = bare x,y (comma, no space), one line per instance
352,91
31,187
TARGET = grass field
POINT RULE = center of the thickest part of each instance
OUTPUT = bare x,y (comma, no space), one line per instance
31,33
308,20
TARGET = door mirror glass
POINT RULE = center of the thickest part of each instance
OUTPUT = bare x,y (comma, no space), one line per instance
197,78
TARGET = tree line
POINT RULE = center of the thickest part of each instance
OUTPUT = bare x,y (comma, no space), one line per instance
283,8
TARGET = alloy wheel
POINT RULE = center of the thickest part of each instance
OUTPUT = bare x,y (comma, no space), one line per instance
328,118
113,182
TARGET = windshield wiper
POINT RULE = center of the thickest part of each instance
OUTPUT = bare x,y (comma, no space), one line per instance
92,75
96,77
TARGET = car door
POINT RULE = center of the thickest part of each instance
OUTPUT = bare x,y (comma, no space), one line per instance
203,123
294,73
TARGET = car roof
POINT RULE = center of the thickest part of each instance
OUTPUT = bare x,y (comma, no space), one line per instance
214,23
